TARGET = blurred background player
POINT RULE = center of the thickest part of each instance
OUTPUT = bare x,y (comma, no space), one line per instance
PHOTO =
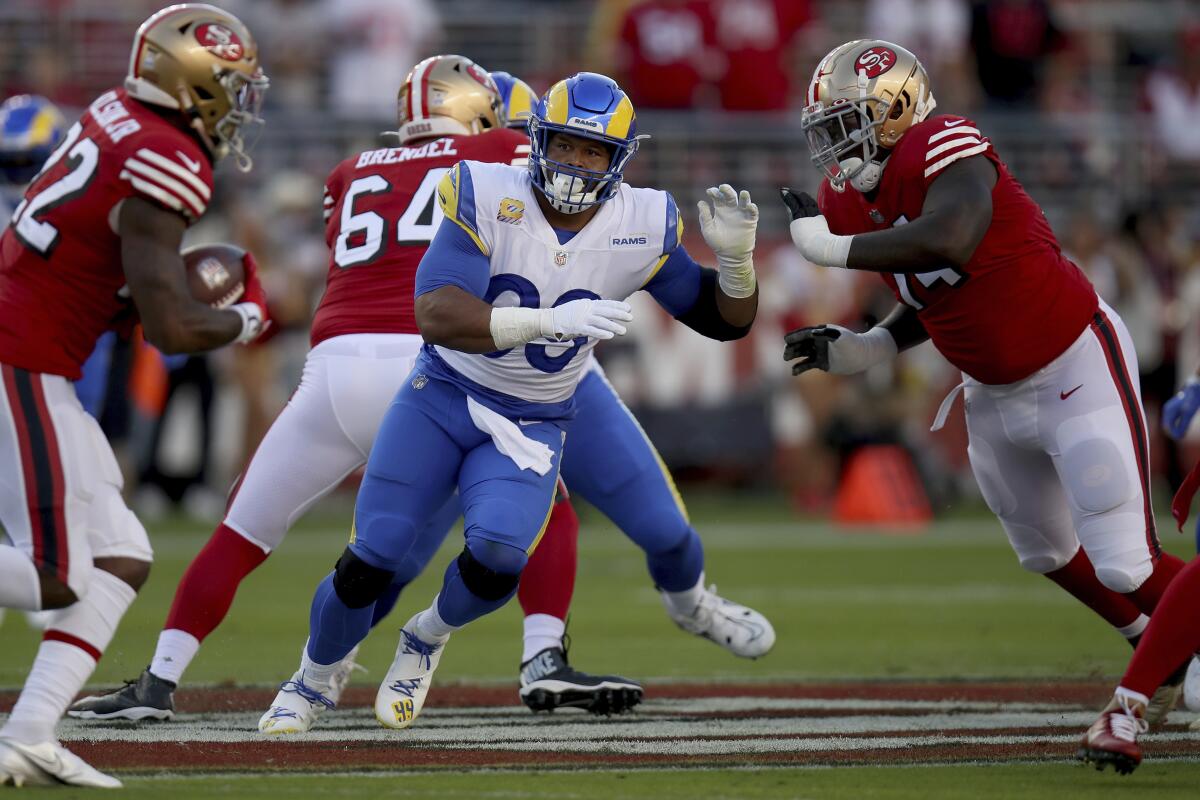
102,224
30,128
1057,436
364,342
495,424
518,98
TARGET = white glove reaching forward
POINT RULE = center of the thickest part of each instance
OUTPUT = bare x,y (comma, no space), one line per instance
599,319
728,221
838,350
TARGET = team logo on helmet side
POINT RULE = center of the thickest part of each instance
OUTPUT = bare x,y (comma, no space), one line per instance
220,41
875,61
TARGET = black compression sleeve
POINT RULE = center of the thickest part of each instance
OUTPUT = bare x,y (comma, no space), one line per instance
705,318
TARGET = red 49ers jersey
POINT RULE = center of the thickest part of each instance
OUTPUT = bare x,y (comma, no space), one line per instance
1018,303
381,213
60,257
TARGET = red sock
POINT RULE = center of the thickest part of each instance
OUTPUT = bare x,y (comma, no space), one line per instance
1172,636
1146,596
548,580
1079,578
207,589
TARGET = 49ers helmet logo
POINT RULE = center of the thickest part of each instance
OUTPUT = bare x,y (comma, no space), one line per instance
220,41
875,61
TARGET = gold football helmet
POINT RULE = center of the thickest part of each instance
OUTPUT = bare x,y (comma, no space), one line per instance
203,61
448,96
864,95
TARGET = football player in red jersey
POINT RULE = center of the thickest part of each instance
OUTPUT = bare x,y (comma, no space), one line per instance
1057,438
381,213
99,226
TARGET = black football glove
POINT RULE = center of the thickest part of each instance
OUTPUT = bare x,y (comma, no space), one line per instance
799,204
811,343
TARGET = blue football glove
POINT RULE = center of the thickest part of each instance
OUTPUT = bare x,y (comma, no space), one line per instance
1178,411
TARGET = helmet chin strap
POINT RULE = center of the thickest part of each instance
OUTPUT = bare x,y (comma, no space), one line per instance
864,177
564,199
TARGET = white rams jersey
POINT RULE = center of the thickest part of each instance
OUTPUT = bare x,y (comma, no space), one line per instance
616,253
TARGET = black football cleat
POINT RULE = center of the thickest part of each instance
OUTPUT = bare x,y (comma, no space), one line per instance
149,697
549,682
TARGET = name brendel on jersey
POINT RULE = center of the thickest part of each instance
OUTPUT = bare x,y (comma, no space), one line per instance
394,155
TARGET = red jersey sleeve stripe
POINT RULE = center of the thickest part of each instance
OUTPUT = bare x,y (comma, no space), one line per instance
177,171
950,159
134,168
951,144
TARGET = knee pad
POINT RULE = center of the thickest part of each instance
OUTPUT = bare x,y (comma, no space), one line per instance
1041,551
357,583
493,582
1126,577
1096,476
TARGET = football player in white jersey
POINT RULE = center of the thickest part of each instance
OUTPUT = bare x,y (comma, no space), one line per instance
529,268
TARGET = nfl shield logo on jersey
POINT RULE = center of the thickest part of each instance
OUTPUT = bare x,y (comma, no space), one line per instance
419,380
560,258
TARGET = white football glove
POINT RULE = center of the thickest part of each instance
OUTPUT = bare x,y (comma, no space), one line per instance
599,319
728,221
838,350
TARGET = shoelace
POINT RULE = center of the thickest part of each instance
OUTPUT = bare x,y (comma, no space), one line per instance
311,695
405,687
416,647
1126,726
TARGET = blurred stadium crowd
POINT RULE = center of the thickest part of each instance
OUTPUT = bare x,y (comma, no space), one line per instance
1094,104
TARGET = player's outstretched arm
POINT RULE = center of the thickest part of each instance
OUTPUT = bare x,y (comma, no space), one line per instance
954,219
452,280
172,319
729,224
841,351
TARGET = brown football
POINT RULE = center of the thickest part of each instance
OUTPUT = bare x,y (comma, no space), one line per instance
215,274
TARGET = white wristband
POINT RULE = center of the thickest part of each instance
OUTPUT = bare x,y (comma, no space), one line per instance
811,235
736,280
878,344
513,326
252,322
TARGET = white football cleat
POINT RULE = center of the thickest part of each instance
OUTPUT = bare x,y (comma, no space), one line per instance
402,693
740,630
295,708
48,764
341,675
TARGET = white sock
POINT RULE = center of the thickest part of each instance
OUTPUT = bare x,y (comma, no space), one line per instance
19,583
1135,628
542,631
314,675
430,627
175,650
684,603
75,638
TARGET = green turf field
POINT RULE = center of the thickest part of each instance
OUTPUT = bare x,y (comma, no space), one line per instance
948,603
945,604
1166,781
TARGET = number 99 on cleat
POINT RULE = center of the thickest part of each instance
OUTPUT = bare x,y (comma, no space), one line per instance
403,709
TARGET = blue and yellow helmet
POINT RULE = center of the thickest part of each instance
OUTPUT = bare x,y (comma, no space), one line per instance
519,99
591,106
30,128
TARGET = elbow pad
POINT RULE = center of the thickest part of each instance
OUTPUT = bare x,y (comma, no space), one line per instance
705,318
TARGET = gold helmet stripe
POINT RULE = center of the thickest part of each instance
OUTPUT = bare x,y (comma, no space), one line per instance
556,104
622,118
